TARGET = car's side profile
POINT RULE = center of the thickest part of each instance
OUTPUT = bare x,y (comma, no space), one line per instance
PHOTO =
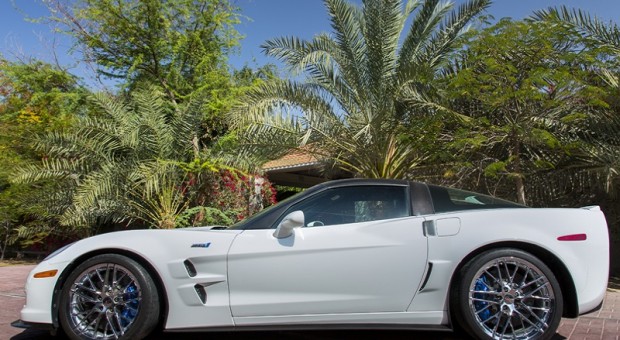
349,253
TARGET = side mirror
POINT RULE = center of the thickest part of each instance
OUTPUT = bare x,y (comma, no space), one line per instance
291,221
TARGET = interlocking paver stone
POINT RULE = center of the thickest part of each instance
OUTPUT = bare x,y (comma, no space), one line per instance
12,297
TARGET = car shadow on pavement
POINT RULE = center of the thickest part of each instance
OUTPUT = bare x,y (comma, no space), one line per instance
34,334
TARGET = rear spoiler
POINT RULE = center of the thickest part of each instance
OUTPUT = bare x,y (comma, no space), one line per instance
592,207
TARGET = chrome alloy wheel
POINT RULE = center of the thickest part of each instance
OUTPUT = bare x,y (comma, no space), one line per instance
104,301
511,298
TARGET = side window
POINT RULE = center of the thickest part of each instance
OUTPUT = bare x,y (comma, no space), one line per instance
353,204
449,199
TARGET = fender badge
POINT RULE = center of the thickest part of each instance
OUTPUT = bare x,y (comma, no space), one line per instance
201,245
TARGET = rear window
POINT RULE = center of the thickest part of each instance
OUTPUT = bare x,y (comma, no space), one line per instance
449,199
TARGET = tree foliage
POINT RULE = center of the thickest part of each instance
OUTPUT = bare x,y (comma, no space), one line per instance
179,45
126,162
139,161
35,97
603,156
526,85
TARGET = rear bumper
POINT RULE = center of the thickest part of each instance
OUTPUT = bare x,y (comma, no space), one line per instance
596,309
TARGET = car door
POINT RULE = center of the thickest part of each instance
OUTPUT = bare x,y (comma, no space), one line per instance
360,251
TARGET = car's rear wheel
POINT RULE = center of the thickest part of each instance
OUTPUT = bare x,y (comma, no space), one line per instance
507,294
109,296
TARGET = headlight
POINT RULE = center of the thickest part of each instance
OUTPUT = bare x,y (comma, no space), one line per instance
58,251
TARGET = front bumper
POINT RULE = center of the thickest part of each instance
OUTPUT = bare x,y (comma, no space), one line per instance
32,325
39,295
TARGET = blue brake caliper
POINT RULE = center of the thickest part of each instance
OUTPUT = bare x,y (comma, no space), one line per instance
482,287
131,309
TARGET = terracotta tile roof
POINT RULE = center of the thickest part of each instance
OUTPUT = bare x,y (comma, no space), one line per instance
294,159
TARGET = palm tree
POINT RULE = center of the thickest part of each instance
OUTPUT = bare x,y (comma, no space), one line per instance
362,85
121,165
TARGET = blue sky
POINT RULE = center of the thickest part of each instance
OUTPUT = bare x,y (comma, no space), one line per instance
263,19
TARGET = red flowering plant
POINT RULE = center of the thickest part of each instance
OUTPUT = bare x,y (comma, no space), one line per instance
241,194
223,195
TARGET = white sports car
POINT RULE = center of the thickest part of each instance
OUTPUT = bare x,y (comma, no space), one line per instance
343,254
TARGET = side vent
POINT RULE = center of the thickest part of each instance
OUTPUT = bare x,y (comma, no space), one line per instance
428,275
202,293
189,266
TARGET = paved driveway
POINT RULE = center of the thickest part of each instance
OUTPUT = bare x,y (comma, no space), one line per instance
603,324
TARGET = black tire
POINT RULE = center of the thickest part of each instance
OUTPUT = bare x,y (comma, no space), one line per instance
109,296
506,293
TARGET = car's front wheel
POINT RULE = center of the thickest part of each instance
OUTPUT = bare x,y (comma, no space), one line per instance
109,296
507,294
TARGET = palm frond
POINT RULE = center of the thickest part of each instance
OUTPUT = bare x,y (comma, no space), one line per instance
384,23
425,22
442,43
278,94
347,22
50,169
607,34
